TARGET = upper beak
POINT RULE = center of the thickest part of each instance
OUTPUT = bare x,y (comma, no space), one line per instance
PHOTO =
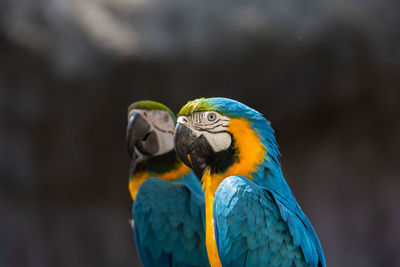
192,149
183,142
139,137
136,130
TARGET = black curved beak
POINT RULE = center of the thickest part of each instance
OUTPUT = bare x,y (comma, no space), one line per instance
136,130
193,150
183,142
139,137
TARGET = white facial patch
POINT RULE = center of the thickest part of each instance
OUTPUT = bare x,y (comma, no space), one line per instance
218,141
162,124
212,125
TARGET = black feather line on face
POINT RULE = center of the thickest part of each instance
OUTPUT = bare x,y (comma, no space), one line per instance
161,130
214,122
206,130
214,126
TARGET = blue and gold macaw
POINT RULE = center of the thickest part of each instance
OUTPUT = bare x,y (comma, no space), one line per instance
252,217
168,209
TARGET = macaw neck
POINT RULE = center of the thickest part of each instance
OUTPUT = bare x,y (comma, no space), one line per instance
256,160
167,167
158,164
254,155
250,154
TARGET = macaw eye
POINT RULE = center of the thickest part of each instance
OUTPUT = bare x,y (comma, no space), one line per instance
166,118
211,116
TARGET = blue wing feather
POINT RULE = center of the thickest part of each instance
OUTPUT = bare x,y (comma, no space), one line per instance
169,224
254,229
300,227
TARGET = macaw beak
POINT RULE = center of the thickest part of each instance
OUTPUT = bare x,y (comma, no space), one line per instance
137,129
183,142
140,137
192,149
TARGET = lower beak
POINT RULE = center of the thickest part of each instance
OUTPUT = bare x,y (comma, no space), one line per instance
140,136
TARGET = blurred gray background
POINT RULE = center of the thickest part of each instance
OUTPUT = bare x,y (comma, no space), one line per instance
326,74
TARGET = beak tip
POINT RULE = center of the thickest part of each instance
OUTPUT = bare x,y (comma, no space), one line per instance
187,161
182,144
136,130
183,156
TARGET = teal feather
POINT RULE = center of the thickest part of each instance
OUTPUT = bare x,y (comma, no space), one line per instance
274,247
169,222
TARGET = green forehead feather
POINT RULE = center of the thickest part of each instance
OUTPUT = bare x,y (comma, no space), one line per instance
198,105
150,105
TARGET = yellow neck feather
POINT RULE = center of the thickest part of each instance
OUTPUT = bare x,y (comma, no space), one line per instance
139,178
251,153
212,251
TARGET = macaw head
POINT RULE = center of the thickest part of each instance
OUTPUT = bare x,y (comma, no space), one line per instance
224,137
150,130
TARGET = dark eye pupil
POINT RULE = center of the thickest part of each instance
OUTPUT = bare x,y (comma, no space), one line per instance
211,117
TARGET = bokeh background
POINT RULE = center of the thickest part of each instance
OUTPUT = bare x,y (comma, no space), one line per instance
325,73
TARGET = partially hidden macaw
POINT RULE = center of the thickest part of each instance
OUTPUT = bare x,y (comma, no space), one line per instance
168,202
252,217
